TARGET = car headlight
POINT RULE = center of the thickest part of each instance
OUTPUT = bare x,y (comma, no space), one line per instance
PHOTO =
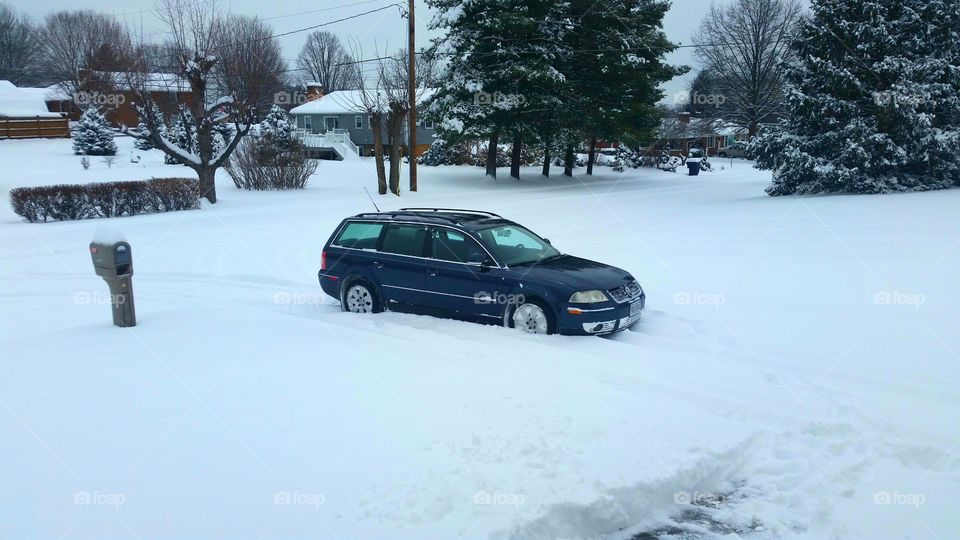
588,297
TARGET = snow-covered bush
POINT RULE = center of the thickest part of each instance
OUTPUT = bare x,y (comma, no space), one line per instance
626,158
273,158
885,119
105,199
93,136
145,143
437,154
503,159
181,133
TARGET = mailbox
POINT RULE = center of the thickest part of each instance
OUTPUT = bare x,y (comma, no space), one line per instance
114,263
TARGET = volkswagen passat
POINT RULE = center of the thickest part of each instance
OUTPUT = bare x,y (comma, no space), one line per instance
474,264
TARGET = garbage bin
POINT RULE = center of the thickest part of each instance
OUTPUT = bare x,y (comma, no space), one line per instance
693,161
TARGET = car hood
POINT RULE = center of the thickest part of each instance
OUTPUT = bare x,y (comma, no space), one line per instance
579,274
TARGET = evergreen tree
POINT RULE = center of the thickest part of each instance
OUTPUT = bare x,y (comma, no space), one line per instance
144,143
874,99
93,136
182,134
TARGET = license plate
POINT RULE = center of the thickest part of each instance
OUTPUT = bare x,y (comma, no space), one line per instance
634,308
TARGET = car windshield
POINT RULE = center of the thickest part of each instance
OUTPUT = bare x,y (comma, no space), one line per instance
514,245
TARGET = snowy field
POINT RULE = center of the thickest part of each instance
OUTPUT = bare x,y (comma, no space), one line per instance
796,374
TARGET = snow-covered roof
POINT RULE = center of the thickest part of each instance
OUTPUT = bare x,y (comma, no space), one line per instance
23,102
344,102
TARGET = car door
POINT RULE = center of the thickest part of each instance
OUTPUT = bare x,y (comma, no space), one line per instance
399,263
457,281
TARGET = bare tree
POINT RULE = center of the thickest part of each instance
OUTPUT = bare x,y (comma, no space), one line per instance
19,47
324,59
196,33
394,74
743,44
79,43
250,64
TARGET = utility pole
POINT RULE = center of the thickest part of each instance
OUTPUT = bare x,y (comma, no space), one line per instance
412,90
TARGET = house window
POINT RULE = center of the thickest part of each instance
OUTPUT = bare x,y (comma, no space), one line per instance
331,123
369,122
358,122
308,123
428,124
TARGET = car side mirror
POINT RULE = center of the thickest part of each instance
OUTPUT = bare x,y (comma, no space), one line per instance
477,258
547,240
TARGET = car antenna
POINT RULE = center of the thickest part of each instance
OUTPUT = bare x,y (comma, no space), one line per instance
371,199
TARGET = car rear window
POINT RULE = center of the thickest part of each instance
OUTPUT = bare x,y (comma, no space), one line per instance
404,240
359,235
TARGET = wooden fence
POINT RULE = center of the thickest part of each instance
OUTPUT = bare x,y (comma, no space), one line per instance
28,128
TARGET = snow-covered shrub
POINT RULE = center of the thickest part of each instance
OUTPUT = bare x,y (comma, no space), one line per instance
273,158
181,133
503,159
437,154
626,158
85,162
105,199
93,136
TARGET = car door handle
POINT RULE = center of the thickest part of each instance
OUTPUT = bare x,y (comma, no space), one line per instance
377,264
432,272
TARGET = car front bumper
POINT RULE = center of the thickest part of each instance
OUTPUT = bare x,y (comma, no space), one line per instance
601,320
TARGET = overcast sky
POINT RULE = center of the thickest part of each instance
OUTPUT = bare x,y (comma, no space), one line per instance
377,32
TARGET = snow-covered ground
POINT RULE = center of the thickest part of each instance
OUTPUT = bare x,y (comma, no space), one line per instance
796,374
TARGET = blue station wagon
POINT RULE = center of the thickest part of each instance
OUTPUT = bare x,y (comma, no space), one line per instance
476,265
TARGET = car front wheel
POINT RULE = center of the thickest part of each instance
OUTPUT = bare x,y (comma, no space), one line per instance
360,297
531,318
722,154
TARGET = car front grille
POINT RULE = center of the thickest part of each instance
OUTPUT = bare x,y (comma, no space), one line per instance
625,293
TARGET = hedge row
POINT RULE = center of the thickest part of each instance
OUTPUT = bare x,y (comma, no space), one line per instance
108,199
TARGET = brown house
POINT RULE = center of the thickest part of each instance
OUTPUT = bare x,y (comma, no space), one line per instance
24,114
113,93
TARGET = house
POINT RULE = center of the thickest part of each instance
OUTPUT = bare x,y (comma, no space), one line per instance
24,114
113,93
336,124
682,132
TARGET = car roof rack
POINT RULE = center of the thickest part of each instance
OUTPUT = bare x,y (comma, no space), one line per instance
451,210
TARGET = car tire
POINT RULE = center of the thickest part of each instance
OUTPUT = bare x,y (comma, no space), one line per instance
360,296
533,317
722,155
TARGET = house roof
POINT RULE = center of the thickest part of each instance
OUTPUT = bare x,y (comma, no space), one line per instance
18,102
346,102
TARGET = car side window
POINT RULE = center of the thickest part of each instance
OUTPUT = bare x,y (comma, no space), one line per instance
453,246
404,240
359,235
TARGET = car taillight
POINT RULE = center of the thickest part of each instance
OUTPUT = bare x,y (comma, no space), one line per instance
323,260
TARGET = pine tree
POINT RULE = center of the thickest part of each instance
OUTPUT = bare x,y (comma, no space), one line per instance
93,135
874,100
144,143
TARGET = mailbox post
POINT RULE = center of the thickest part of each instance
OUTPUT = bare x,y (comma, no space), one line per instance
114,263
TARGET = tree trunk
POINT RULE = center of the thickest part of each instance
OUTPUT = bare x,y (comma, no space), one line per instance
568,162
492,156
378,153
591,155
395,123
208,188
546,161
515,156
